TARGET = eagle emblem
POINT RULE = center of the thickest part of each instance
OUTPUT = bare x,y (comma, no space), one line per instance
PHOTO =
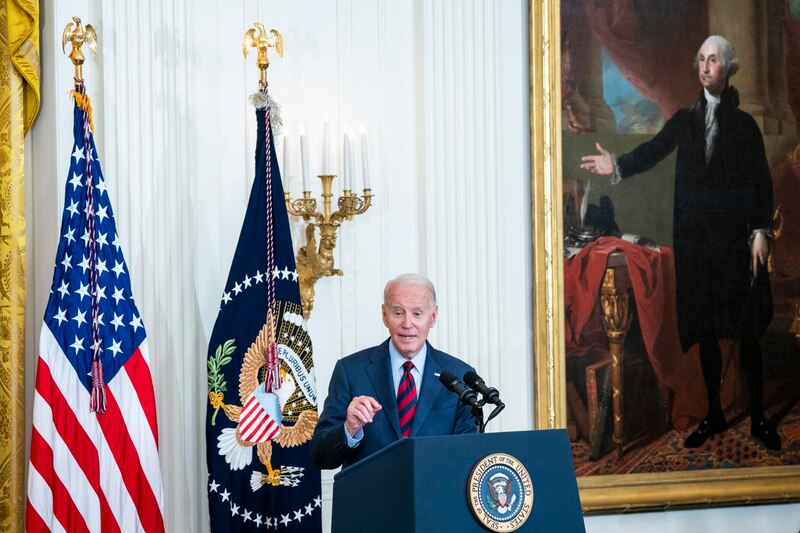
78,35
262,41
274,407
500,487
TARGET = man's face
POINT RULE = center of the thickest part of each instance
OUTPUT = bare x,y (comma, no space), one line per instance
409,314
711,72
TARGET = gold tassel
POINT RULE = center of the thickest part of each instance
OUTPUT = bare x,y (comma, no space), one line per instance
83,102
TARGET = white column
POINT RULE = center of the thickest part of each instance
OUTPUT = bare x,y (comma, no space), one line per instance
777,76
744,24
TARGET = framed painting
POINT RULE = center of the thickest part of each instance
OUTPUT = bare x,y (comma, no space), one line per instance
613,362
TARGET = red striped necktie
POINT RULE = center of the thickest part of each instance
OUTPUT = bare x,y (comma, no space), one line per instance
406,399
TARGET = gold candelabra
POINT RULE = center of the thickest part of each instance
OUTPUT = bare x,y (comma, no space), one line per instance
313,261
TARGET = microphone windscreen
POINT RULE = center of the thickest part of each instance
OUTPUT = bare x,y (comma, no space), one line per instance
471,378
447,378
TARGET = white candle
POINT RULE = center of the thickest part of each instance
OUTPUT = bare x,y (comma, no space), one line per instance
304,160
346,162
326,152
364,157
351,179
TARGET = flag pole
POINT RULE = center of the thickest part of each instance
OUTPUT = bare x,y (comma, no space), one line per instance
262,40
78,35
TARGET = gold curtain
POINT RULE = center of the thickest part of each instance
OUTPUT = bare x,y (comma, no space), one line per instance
19,104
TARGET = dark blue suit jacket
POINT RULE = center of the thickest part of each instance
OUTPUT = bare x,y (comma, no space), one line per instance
368,373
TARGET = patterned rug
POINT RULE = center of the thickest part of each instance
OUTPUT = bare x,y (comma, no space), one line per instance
735,447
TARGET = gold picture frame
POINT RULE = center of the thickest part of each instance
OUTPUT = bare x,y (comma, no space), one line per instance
618,493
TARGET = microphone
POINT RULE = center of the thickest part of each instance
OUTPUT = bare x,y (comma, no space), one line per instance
453,384
473,380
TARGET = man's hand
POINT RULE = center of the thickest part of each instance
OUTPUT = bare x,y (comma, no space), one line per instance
360,412
601,164
759,251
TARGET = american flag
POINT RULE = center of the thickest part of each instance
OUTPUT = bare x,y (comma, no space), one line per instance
94,443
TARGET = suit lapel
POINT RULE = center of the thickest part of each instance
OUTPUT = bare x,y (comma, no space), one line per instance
430,389
380,374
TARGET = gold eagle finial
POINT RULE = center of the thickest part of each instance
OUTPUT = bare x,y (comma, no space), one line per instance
262,40
78,35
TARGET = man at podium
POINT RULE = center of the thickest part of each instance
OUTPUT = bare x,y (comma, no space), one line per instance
391,391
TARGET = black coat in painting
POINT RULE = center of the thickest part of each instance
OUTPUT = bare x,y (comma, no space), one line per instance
717,206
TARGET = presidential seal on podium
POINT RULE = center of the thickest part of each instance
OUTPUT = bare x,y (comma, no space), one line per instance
500,492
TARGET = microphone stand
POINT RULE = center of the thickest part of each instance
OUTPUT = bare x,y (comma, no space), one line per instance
477,412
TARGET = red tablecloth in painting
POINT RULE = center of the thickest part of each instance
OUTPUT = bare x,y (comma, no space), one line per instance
652,275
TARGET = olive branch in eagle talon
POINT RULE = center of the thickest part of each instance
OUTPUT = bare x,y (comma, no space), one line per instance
216,380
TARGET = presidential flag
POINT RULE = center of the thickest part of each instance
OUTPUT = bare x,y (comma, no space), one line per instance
94,442
261,385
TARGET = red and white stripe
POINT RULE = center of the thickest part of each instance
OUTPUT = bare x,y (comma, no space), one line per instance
88,471
255,425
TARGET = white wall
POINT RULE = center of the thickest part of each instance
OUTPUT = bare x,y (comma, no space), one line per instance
441,88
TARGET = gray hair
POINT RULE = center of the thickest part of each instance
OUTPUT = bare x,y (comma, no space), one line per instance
728,57
416,280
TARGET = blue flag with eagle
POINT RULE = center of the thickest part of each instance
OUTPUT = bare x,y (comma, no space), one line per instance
261,385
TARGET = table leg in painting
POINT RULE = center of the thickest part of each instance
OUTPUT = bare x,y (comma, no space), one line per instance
615,305
665,399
